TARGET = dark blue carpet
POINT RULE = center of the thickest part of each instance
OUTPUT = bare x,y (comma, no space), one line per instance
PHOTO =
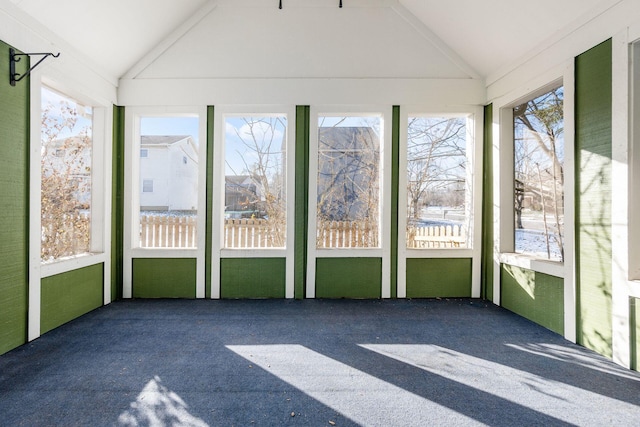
312,362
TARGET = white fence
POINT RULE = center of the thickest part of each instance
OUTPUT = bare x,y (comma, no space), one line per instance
436,237
168,231
181,232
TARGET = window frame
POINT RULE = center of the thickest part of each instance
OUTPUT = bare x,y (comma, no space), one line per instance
100,178
503,212
528,98
384,250
132,191
474,117
506,225
218,200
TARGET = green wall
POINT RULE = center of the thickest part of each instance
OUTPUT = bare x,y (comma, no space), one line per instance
634,331
348,278
14,199
487,206
164,278
117,201
69,295
209,207
252,277
593,109
395,183
536,296
301,199
438,277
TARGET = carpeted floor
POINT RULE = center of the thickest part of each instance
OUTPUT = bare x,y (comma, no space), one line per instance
313,362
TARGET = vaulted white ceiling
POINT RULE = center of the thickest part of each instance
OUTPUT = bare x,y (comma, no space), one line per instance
309,38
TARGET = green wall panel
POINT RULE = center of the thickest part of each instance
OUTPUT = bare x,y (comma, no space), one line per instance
209,201
14,199
487,206
302,199
252,277
593,193
349,278
634,332
117,200
69,295
535,296
164,278
395,183
438,277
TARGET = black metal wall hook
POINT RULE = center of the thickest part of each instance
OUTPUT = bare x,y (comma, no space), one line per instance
16,57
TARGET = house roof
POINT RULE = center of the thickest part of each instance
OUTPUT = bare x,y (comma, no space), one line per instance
161,139
237,179
306,39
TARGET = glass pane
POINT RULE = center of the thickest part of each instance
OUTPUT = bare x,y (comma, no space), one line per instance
348,204
539,180
168,187
438,192
66,152
255,211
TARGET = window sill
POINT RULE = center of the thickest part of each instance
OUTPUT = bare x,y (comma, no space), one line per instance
439,253
552,268
164,253
349,253
253,253
71,263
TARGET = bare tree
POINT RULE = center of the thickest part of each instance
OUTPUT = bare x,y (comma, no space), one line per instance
261,149
538,157
348,184
436,154
65,182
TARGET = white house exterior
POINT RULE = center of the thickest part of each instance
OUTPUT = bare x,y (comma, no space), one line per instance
168,173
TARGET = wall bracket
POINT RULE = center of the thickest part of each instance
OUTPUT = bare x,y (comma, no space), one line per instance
16,57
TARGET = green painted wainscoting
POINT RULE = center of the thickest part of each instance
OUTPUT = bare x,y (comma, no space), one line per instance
164,278
438,277
69,295
14,199
593,106
536,296
252,277
348,278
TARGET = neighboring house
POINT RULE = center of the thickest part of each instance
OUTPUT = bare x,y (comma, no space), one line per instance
241,194
348,174
168,173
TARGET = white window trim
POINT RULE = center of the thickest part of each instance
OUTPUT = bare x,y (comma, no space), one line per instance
100,200
503,189
384,252
218,200
132,196
625,174
474,178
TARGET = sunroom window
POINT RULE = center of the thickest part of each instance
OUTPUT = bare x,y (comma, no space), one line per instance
255,191
168,187
66,154
539,176
348,182
438,188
